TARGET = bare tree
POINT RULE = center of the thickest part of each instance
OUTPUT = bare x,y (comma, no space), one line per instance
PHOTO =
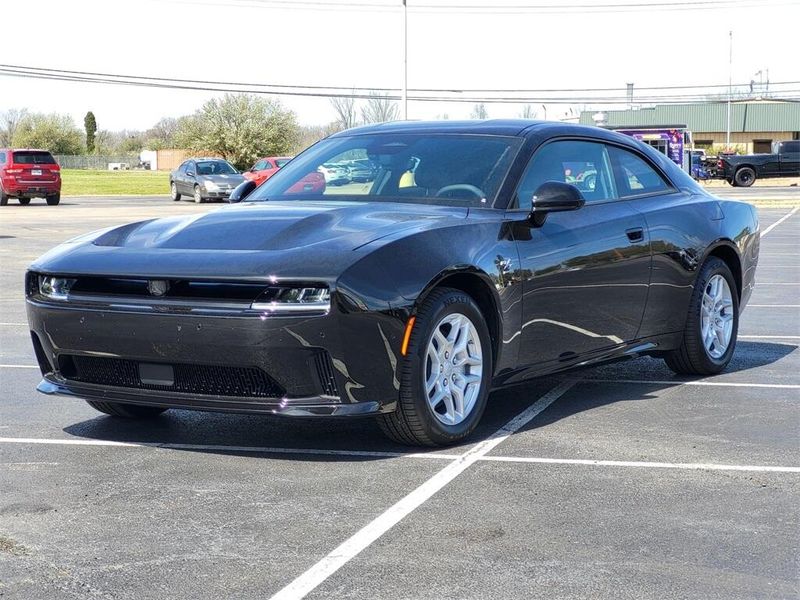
527,112
346,116
379,109
479,112
9,122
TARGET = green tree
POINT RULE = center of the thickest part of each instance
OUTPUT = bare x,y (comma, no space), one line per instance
54,132
241,128
90,125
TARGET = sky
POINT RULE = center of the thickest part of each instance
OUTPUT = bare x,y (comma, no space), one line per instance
354,43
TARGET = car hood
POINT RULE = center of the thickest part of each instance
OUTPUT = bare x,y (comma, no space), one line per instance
232,179
251,240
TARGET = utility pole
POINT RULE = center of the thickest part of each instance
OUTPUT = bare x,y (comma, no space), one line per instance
405,60
730,87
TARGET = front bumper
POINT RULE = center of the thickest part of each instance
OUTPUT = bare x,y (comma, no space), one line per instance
315,363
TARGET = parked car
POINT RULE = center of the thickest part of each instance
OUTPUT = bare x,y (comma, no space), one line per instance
743,170
406,303
204,179
266,168
27,174
335,174
362,170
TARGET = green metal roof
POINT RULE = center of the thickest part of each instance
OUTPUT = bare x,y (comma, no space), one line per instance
710,116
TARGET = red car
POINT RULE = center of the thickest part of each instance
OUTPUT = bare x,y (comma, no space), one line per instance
26,174
266,168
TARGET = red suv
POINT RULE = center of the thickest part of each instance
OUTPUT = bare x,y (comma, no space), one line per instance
26,174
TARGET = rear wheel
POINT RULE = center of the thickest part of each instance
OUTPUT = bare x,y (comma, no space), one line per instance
745,177
54,199
3,198
24,201
446,374
173,191
198,197
127,411
712,324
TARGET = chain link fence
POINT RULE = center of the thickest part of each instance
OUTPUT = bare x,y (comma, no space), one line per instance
88,161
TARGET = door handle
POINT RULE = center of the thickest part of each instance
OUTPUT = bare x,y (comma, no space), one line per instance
635,235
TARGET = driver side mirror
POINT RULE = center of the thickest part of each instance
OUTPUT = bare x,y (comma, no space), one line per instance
241,191
554,196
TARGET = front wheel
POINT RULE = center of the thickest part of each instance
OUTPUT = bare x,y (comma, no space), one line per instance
126,411
173,191
712,324
198,197
446,374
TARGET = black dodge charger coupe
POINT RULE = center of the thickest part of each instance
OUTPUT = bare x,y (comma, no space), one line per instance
481,254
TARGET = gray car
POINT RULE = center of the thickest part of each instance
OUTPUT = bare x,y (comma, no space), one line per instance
204,179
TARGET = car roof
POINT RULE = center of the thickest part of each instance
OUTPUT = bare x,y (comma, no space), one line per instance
506,127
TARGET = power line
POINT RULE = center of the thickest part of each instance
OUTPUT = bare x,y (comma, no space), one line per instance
90,76
667,99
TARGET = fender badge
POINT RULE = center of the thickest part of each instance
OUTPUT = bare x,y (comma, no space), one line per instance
157,287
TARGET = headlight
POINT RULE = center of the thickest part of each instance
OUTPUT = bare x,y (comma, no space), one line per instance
210,186
55,288
294,299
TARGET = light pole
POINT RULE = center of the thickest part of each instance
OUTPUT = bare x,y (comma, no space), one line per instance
730,88
405,61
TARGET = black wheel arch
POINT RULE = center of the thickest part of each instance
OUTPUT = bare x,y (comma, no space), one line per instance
478,285
727,251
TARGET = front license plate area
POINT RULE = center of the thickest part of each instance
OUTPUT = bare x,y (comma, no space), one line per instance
153,374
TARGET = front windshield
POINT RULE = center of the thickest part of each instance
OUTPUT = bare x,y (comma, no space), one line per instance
452,169
214,167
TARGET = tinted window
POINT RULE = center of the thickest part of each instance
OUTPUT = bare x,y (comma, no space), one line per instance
582,164
282,161
790,146
454,169
261,165
33,158
634,176
214,167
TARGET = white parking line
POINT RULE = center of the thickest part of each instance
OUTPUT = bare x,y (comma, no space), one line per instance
14,324
18,367
221,448
779,221
362,539
773,306
777,386
642,464
768,337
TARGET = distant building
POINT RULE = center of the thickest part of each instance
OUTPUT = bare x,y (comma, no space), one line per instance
755,124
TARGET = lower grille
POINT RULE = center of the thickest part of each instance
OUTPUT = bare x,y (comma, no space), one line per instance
324,365
206,380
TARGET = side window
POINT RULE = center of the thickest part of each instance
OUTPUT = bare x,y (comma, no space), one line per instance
261,165
582,164
634,176
2,158
182,168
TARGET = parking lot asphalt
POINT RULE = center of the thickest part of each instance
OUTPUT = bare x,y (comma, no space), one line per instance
620,481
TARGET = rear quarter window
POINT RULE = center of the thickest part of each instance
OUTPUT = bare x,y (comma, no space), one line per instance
33,158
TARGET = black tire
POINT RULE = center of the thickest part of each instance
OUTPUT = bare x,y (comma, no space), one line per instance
198,197
745,177
692,358
414,423
127,411
173,191
3,198
731,181
24,201
54,199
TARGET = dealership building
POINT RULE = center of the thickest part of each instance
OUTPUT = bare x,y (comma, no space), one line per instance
755,124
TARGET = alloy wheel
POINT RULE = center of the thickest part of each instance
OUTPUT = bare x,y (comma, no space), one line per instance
716,318
453,369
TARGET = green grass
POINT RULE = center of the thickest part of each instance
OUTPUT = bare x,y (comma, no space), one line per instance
80,182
